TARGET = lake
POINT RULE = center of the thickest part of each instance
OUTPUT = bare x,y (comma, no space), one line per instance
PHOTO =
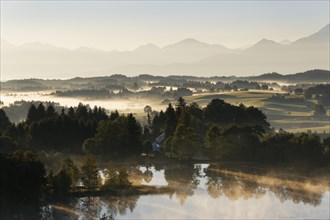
202,191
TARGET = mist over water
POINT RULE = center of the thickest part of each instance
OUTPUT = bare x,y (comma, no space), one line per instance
205,194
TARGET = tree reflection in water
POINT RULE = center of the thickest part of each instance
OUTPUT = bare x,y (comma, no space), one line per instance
90,206
237,186
183,178
147,176
233,187
105,207
285,193
120,205
137,177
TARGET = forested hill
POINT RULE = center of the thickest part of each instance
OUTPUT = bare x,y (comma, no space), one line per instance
117,81
308,76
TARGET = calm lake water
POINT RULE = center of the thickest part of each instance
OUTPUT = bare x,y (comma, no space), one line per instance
203,191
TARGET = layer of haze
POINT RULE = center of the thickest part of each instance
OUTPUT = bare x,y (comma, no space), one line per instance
58,39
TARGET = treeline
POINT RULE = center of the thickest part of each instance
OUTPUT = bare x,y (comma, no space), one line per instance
251,144
75,130
184,126
314,76
154,92
18,110
320,92
47,129
218,86
219,131
286,99
118,136
233,133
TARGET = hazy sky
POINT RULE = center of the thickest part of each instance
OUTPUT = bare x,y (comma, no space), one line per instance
126,25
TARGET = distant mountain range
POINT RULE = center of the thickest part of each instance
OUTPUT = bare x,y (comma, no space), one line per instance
187,57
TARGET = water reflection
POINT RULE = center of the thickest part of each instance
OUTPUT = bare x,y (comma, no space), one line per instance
105,207
236,185
137,176
183,178
147,176
198,192
187,179
232,187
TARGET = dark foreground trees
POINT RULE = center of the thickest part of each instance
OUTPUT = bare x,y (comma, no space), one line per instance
118,137
233,133
22,180
90,174
4,121
66,179
46,129
82,129
218,131
115,178
233,143
284,147
189,133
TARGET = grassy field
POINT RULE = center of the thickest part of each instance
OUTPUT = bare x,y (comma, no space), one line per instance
295,117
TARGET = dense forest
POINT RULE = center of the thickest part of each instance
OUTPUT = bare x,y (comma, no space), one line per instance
217,131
